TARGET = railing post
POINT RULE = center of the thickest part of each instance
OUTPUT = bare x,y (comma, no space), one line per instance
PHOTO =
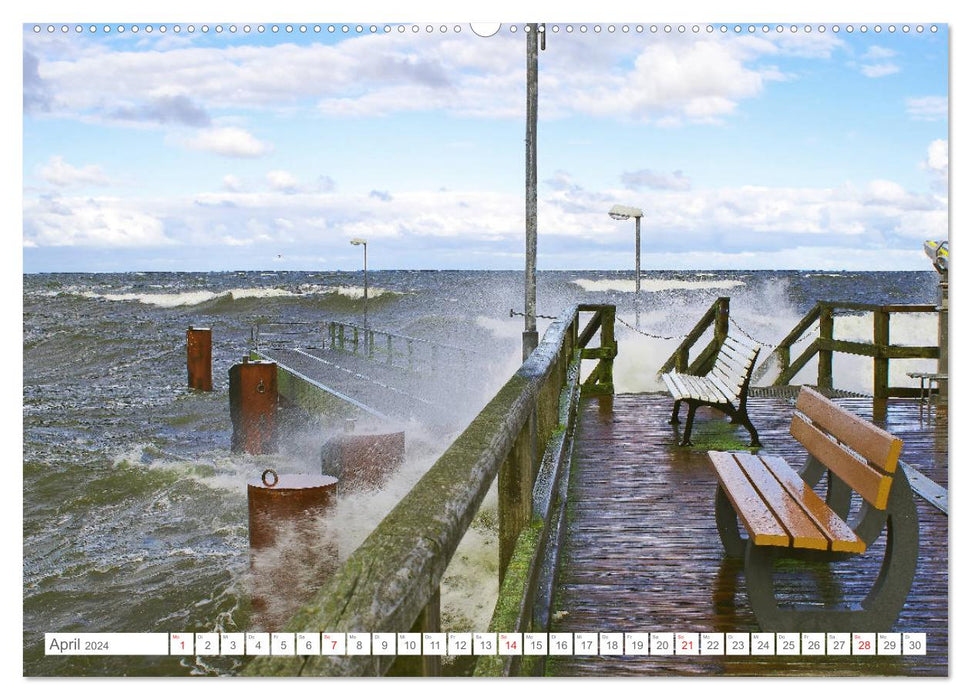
355,341
515,491
824,374
607,342
390,351
370,344
411,354
721,320
341,336
881,364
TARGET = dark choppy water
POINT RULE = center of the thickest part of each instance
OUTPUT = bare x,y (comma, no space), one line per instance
134,509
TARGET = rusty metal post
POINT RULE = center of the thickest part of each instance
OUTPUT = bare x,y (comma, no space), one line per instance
291,550
824,372
252,406
198,344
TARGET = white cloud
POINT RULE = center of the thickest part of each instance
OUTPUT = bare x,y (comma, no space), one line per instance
718,222
229,141
937,164
91,222
282,181
61,174
669,79
879,70
877,53
930,108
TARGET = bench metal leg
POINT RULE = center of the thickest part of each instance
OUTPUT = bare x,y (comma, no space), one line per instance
727,521
878,611
674,413
744,420
686,438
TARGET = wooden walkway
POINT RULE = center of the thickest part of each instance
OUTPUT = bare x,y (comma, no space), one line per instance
642,552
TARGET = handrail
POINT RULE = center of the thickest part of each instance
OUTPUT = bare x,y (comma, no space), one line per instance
391,582
881,350
395,349
717,315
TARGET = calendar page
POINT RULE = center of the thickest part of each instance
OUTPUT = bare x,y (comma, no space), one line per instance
390,343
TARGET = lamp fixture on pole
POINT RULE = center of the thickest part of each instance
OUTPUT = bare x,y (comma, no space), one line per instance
622,213
363,242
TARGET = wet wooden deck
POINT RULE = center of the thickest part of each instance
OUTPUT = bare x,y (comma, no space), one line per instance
643,554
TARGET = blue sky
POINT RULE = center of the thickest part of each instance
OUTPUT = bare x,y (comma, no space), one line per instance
764,149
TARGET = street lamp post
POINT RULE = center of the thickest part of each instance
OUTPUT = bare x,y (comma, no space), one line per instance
621,213
363,242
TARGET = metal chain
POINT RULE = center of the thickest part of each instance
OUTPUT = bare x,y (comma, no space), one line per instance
743,332
520,313
668,337
649,335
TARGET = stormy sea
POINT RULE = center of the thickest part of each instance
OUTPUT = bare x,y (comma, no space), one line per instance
134,507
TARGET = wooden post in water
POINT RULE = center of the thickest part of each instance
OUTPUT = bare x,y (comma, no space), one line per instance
824,373
198,344
881,364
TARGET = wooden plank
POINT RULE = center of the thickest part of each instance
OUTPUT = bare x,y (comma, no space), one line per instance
744,346
731,397
761,523
841,536
789,511
669,383
871,484
877,445
731,367
733,381
680,390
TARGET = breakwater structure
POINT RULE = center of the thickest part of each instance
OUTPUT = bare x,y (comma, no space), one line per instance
606,524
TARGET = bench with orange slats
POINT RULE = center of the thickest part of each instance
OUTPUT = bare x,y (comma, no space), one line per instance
785,518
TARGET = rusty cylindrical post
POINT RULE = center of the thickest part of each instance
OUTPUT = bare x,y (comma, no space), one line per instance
198,344
252,406
286,501
292,550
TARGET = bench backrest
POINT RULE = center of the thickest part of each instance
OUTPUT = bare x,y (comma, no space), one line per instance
826,431
734,363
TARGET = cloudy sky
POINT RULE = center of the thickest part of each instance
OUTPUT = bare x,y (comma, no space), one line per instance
155,150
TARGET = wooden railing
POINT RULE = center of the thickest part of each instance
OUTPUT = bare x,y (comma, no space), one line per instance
523,437
825,345
717,316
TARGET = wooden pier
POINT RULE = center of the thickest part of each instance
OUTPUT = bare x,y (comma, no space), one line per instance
606,524
642,551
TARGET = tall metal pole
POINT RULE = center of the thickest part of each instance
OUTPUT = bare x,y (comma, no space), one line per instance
530,336
637,255
365,285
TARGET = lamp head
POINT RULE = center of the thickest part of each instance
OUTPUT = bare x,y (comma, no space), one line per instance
622,213
358,241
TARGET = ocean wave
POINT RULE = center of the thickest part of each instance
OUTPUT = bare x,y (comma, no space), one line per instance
194,298
654,285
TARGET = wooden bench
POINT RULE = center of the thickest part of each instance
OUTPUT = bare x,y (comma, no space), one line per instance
785,518
725,387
